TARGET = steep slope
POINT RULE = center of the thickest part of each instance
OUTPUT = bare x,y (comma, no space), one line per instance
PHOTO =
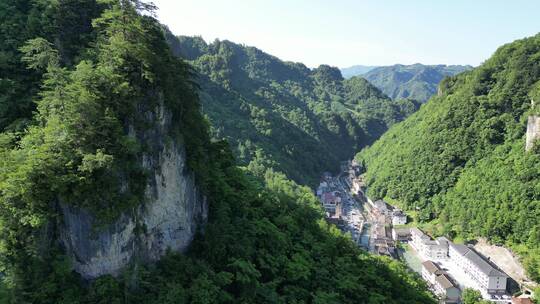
115,175
299,121
415,81
356,70
461,160
23,20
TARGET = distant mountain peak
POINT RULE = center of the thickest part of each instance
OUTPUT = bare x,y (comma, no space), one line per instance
356,70
416,81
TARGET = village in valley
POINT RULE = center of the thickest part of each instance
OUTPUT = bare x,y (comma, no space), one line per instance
383,229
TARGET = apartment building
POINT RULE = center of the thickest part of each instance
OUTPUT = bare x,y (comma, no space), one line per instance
487,277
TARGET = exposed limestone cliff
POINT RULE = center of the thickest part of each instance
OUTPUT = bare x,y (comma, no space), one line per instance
173,210
533,131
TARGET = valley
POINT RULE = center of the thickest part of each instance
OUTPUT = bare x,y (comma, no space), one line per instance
147,159
382,229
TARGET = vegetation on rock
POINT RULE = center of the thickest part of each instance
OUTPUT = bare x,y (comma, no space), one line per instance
265,242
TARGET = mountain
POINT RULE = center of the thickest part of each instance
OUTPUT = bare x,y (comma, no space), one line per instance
356,70
459,163
112,190
417,81
299,121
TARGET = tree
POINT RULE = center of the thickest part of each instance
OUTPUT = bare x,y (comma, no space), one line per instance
472,296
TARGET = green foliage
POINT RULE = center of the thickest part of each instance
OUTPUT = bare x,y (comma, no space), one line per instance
264,242
306,121
536,295
39,54
64,23
415,81
460,159
472,296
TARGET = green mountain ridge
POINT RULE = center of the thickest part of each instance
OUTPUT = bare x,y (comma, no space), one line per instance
299,121
460,161
416,81
356,70
76,142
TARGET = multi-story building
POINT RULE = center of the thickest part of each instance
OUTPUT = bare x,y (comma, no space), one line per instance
401,234
486,276
447,289
418,238
430,249
442,283
430,271
398,217
331,203
382,240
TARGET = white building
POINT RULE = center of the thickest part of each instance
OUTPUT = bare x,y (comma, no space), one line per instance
441,282
430,271
401,234
428,248
447,289
357,186
399,218
487,277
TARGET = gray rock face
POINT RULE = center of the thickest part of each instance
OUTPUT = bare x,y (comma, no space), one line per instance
533,131
173,210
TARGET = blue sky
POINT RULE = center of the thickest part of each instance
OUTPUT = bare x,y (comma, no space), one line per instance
347,32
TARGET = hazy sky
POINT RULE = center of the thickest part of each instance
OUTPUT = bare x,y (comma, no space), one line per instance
348,32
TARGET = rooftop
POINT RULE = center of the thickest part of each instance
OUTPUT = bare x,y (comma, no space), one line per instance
484,266
402,231
521,300
419,232
381,205
430,266
445,281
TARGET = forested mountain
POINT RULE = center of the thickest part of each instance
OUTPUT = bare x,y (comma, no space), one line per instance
415,81
356,70
299,121
460,160
94,130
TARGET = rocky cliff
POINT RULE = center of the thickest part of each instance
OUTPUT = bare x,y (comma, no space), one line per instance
169,217
533,131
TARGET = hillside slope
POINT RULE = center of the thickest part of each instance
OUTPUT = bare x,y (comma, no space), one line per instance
460,160
299,121
114,192
415,81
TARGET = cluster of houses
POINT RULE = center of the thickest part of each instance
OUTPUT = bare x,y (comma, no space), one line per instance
463,261
386,213
487,278
330,198
382,241
354,180
383,217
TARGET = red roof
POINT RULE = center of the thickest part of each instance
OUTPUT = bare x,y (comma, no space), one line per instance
521,301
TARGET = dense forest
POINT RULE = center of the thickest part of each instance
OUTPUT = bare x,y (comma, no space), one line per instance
460,161
75,76
416,81
299,121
